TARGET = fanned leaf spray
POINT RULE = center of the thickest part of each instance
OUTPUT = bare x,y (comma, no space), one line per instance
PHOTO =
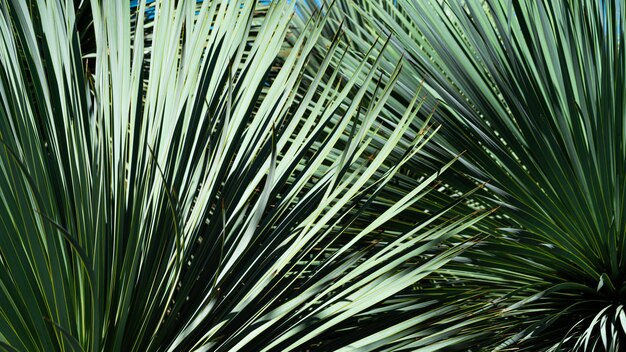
186,183
533,92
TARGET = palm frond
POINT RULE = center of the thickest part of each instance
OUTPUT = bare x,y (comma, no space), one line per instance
192,183
533,92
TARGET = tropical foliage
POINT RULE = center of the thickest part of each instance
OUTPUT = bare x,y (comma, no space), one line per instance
533,92
178,176
267,175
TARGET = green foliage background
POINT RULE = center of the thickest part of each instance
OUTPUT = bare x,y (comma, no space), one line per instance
373,175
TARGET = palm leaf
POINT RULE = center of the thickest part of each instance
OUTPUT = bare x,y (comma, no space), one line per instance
533,92
194,183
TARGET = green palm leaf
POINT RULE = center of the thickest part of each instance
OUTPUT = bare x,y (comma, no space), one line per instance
533,92
204,181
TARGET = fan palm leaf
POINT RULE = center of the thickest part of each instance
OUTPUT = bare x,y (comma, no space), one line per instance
186,184
533,91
